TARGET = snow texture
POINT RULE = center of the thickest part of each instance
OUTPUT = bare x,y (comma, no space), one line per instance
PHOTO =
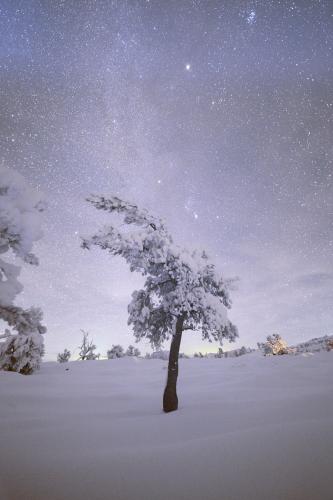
248,428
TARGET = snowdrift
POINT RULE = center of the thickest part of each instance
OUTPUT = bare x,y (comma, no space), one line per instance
247,428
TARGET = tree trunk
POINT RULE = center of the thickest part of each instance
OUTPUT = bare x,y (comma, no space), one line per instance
170,399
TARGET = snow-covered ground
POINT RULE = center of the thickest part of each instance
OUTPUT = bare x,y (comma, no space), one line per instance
247,428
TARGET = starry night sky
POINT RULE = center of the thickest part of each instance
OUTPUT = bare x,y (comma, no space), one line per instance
215,115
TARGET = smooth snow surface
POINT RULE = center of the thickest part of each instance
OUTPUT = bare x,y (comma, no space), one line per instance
247,428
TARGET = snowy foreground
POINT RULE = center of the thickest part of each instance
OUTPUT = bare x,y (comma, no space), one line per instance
247,428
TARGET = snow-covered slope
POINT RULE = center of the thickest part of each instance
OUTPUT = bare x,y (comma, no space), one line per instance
247,428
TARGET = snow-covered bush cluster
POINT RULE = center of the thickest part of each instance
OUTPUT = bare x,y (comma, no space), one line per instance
117,351
234,353
274,345
22,347
316,344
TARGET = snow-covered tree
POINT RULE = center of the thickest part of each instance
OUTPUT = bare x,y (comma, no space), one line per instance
64,356
87,348
117,351
22,352
274,345
20,227
182,290
132,351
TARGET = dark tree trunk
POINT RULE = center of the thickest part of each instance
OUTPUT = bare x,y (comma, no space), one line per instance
170,399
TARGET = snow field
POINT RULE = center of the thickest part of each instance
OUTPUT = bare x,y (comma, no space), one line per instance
247,428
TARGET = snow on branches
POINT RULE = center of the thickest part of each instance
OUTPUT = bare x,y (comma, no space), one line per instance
20,222
179,283
87,348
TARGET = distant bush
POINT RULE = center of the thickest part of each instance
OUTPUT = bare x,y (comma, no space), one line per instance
64,356
198,355
133,351
116,351
274,345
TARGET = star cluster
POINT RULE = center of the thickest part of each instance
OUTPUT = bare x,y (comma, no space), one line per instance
217,116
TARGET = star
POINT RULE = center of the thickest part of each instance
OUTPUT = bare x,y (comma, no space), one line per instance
251,18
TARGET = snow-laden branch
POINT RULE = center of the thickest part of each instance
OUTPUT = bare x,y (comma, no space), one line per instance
179,283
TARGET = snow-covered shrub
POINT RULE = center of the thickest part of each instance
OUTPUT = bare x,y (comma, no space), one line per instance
329,344
235,353
87,348
116,351
64,356
219,353
132,351
274,345
20,227
22,352
316,344
182,290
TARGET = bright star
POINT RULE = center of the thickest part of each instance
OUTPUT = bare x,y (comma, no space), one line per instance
251,18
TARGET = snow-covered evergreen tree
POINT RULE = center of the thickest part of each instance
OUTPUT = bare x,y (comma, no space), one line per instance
87,348
117,351
64,356
20,227
182,290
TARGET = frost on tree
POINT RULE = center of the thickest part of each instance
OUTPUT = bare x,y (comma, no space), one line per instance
182,290
63,357
22,346
87,348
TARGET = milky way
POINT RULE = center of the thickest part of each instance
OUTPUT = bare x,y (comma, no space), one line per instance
215,115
